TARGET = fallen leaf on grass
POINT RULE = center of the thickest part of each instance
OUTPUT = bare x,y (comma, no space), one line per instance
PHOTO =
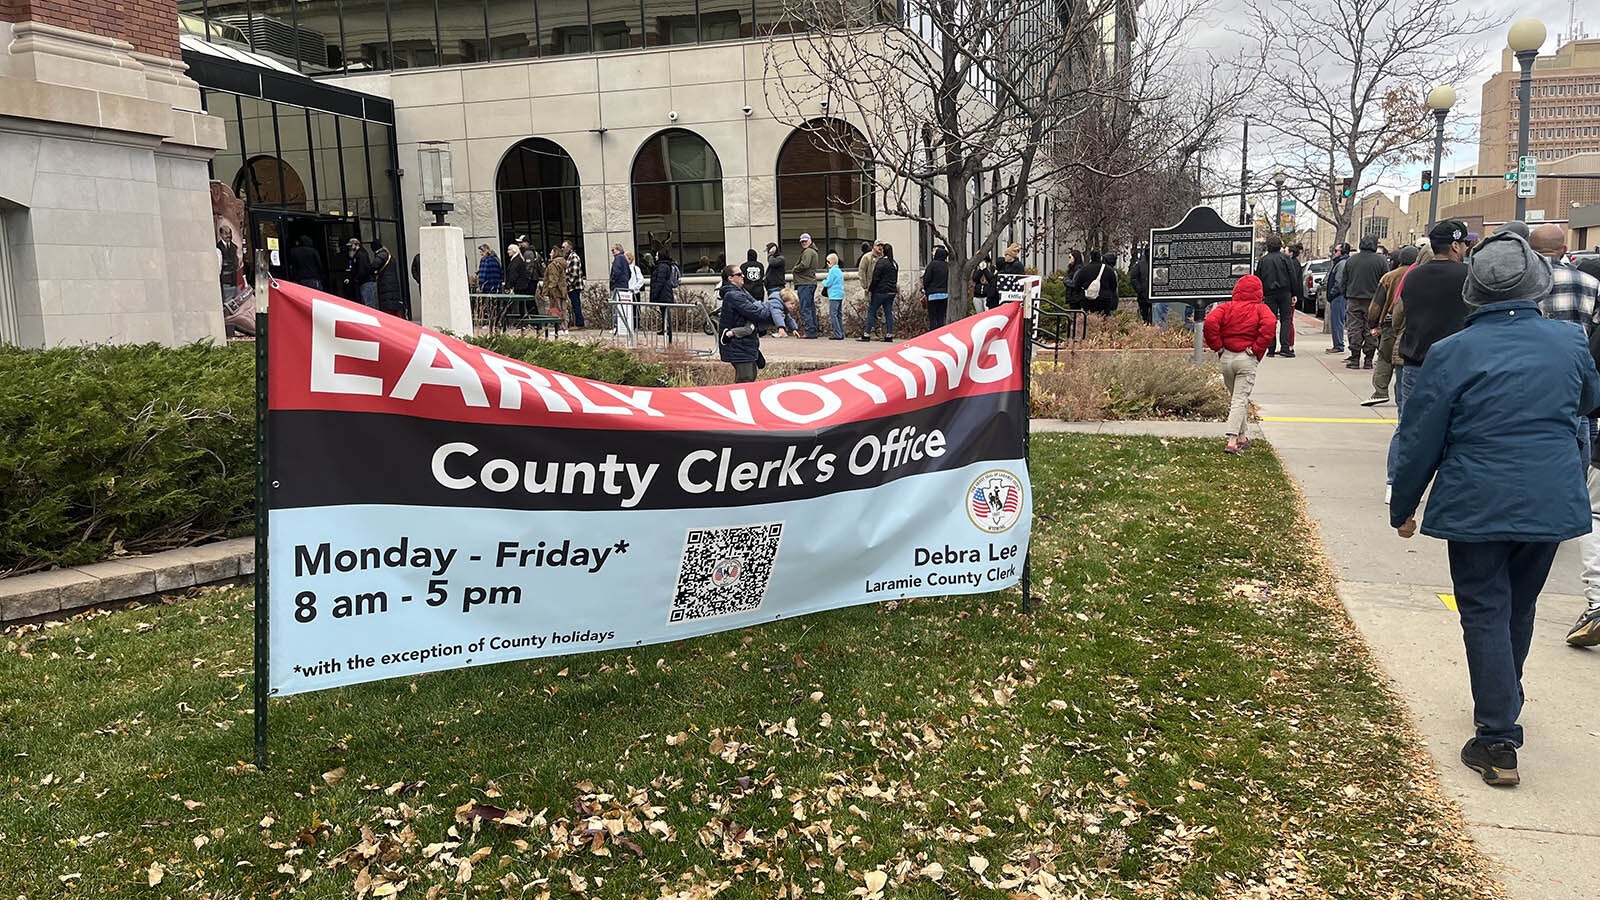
333,777
978,864
157,872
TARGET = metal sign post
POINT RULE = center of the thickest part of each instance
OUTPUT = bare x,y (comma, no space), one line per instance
1026,352
1527,177
262,685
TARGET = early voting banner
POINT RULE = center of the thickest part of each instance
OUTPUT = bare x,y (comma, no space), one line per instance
433,505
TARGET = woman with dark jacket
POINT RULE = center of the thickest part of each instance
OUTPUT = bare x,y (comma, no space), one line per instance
936,288
1074,268
984,289
516,272
882,289
737,323
661,289
391,299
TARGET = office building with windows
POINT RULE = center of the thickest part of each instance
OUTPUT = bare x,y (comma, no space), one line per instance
1564,108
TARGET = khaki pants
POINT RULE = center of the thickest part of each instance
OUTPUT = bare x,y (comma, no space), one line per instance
1383,366
1239,377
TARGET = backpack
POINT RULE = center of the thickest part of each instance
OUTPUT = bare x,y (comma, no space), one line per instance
676,276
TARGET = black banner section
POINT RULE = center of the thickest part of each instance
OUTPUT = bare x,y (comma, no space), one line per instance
323,458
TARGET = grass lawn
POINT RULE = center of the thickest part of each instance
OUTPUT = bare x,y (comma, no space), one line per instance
1187,713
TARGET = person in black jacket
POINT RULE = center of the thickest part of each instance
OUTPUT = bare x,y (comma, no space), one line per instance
984,288
1278,278
517,280
738,326
390,295
936,288
358,275
775,281
305,265
885,284
661,289
1139,275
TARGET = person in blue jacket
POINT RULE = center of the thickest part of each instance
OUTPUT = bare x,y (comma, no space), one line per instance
1493,425
740,322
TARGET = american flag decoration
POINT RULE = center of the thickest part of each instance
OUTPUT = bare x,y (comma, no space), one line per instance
1017,288
989,502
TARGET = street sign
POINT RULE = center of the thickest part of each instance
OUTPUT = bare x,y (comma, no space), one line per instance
1199,259
1534,215
1527,177
1511,176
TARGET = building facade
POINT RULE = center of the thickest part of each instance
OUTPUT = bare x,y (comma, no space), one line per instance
105,213
1564,107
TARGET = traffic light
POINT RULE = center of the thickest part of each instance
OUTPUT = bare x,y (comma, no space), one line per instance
1348,189
1427,179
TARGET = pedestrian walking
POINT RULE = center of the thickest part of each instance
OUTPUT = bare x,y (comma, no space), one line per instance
1239,332
833,287
386,289
1139,276
1361,276
738,325
358,284
882,288
574,282
936,287
1279,285
1491,422
305,264
1333,287
1380,314
491,276
663,282
805,284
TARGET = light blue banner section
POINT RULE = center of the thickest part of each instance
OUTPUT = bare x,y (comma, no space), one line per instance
363,593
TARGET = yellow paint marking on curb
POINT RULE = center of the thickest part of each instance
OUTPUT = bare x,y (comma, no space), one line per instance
1449,600
1329,421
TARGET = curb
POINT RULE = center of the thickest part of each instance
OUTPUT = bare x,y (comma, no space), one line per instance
133,578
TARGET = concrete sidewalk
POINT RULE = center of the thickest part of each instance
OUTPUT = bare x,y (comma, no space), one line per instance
1546,833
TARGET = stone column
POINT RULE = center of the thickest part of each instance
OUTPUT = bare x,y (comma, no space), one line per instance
444,304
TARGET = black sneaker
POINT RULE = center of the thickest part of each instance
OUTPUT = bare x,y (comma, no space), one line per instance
1286,354
864,338
1586,631
1496,762
1375,400
1332,350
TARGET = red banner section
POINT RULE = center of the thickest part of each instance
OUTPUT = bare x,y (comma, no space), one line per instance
330,354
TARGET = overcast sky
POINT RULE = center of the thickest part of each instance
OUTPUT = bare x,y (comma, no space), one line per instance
1219,34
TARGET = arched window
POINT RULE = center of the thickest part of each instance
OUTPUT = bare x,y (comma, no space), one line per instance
536,191
825,189
269,181
677,200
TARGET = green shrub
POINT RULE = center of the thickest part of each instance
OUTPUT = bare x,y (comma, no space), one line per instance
145,448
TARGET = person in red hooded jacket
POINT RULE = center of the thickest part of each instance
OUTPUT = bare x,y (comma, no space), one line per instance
1240,331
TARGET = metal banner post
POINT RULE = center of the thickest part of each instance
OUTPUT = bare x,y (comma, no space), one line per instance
262,289
1027,447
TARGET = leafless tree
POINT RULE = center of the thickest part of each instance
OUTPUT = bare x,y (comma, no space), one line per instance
1347,83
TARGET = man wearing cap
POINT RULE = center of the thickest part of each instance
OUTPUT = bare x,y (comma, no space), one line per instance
1361,276
1492,422
1432,299
805,284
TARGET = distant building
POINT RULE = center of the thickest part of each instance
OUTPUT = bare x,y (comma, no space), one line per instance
1565,105
1496,201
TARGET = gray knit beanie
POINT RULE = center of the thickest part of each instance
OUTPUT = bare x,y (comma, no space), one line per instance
1503,267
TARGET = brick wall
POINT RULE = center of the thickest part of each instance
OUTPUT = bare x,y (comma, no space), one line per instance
151,26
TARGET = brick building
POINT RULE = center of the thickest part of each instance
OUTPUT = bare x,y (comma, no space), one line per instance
1564,104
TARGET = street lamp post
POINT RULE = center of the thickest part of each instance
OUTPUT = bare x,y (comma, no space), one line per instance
1244,168
1440,99
1525,39
1278,178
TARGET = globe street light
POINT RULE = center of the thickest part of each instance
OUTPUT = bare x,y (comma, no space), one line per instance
1440,99
1525,39
1278,178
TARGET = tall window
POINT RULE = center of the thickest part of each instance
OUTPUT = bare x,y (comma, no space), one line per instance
536,189
677,199
825,189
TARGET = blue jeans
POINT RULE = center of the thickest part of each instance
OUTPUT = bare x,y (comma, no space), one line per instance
808,307
836,316
1497,584
1336,310
1159,313
575,300
1405,381
886,303
369,293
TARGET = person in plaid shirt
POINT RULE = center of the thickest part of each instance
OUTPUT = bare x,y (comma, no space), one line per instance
574,284
1573,298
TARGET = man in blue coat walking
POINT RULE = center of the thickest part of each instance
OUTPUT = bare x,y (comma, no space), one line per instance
1493,424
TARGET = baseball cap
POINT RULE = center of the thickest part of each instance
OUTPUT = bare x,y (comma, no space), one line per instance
522,239
1448,230
805,237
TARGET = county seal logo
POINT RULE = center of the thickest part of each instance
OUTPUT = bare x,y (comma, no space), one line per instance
726,571
994,502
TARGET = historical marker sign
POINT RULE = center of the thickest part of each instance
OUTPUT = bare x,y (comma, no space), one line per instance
1198,260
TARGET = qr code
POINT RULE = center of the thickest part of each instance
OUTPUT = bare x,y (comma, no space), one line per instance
724,570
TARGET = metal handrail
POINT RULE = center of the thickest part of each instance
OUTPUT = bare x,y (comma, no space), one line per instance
643,323
500,304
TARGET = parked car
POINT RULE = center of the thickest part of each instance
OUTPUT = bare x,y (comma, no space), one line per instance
1316,274
1576,256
